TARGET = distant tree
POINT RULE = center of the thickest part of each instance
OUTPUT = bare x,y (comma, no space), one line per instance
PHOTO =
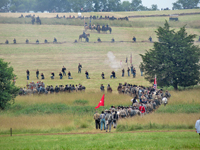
114,5
175,60
96,5
176,6
8,91
126,6
77,5
88,5
154,7
185,4
143,8
103,5
4,4
136,4
22,5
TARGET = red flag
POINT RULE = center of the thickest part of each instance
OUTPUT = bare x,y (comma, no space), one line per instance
155,83
101,103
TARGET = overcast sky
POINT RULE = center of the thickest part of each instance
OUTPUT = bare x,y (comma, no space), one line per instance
160,3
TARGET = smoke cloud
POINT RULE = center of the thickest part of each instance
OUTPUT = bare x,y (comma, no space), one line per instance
112,62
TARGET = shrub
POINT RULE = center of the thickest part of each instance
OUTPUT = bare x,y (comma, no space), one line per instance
80,102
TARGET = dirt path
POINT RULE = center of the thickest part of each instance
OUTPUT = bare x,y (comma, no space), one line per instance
103,132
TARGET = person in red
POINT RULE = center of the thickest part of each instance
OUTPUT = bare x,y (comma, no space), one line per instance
142,109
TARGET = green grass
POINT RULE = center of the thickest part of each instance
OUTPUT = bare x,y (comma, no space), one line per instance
180,108
157,140
56,108
59,108
151,126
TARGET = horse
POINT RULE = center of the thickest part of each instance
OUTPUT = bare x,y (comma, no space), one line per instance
33,20
105,29
98,29
81,36
164,101
91,28
38,21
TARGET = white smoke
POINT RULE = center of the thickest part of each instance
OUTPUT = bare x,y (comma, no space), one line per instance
112,62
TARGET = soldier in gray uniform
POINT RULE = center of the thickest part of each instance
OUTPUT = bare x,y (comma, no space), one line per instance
102,88
115,118
150,39
14,41
122,113
108,119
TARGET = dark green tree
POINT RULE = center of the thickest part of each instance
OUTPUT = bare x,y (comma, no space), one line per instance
136,4
4,4
185,4
154,7
126,6
8,91
175,60
114,5
96,5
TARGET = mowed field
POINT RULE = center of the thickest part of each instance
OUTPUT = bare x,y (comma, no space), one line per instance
145,140
73,112
92,56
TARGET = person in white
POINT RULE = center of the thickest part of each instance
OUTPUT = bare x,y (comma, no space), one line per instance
197,126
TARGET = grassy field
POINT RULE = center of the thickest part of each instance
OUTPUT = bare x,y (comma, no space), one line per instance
93,56
73,112
116,14
191,21
146,140
66,113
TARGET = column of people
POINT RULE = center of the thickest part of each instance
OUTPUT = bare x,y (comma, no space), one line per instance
63,73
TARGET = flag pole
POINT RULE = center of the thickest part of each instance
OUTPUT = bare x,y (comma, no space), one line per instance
104,103
127,61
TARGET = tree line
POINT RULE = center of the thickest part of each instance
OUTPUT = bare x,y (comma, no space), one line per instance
86,5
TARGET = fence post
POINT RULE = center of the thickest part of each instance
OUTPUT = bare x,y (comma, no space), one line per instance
10,131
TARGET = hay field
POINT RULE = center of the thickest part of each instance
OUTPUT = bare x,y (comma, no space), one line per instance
116,14
92,56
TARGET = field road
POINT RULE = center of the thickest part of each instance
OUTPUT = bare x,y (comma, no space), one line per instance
144,131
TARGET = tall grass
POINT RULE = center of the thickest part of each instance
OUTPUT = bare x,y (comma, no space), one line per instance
45,123
116,23
190,96
55,113
71,99
116,14
159,121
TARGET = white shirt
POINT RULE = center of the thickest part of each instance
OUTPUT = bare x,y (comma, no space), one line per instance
197,126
